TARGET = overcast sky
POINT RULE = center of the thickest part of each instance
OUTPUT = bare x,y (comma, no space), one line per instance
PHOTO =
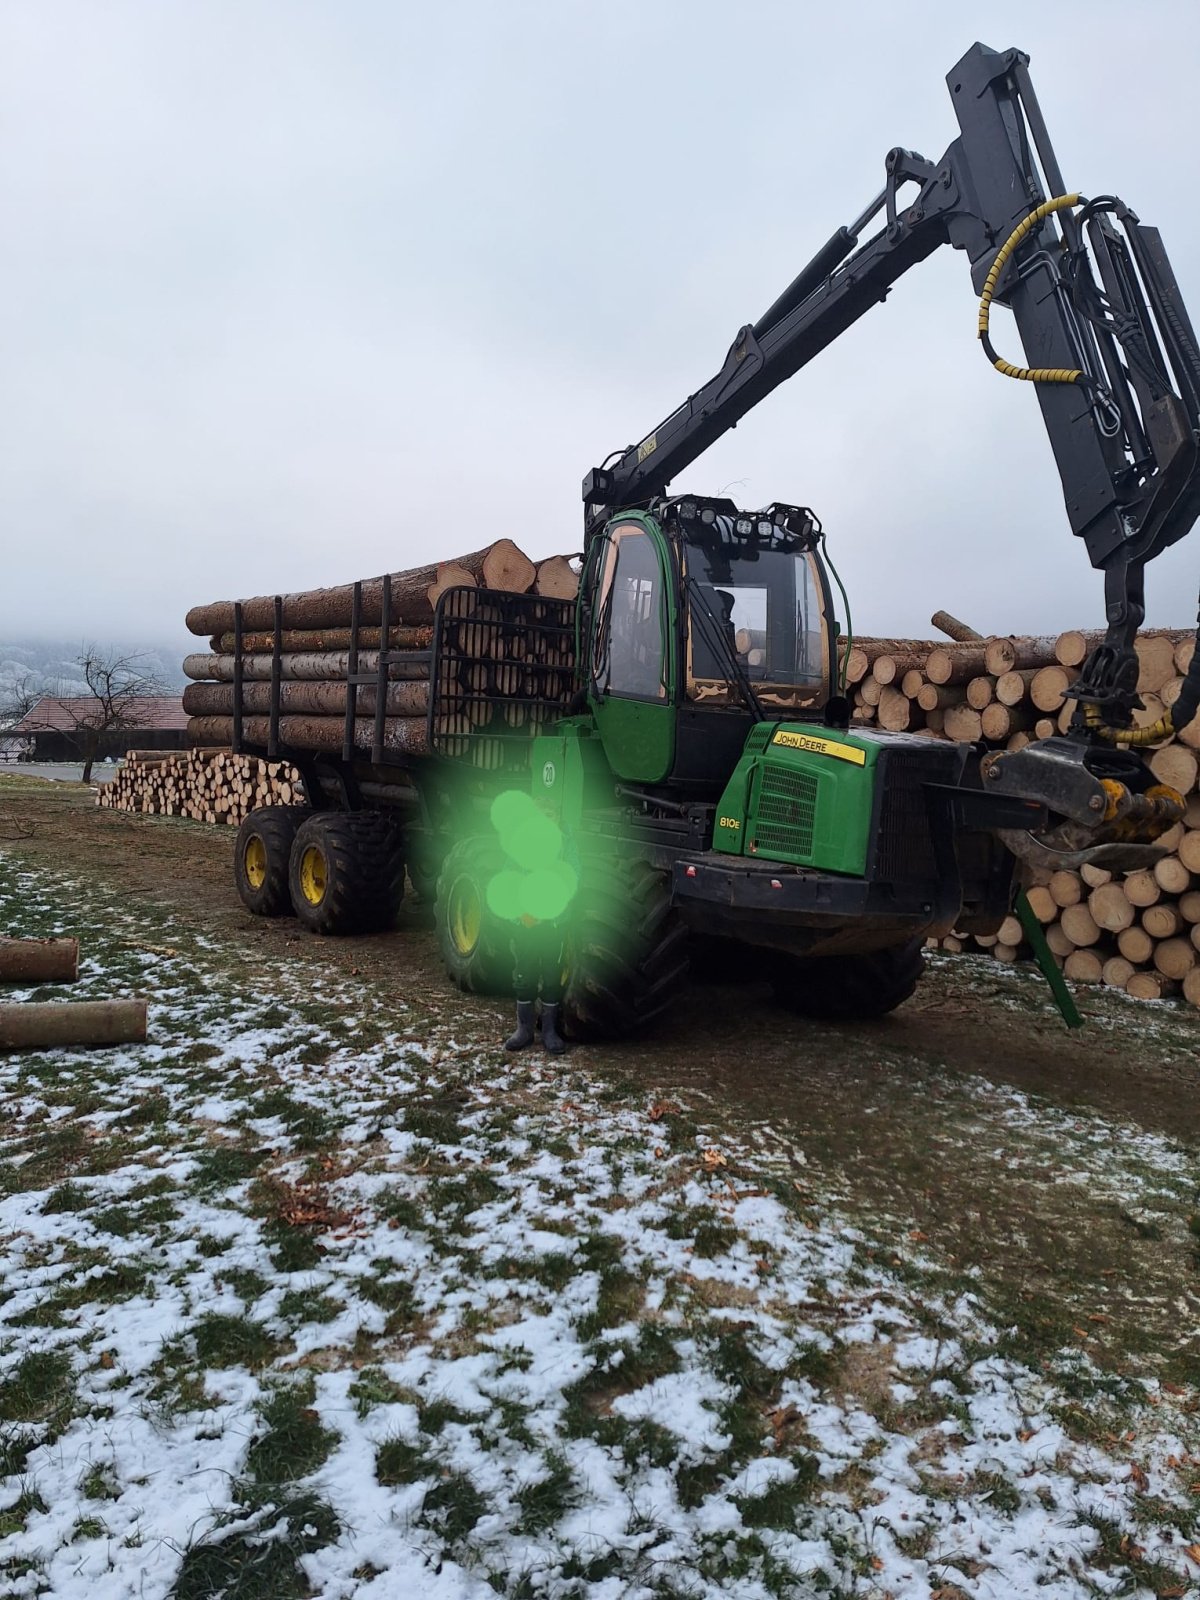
295,293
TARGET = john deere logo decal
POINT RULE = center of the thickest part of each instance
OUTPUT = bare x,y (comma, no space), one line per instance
821,747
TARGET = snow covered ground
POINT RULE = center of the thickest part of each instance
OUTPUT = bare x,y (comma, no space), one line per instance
307,1297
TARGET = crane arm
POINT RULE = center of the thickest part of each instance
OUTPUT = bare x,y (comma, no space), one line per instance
1109,347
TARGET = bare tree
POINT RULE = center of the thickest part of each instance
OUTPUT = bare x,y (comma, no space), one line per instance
116,684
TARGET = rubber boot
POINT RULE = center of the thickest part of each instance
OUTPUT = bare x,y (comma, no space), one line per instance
526,1013
552,1040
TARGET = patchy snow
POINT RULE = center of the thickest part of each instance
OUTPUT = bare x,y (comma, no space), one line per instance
310,1282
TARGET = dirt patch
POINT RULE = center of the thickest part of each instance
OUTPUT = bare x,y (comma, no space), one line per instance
1051,1171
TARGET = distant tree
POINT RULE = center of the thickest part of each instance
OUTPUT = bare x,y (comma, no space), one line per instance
115,684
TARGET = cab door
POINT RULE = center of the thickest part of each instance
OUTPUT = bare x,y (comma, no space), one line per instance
632,653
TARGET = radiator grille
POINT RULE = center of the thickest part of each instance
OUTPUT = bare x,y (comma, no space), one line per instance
787,809
905,850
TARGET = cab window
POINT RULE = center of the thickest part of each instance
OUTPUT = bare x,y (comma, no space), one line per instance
629,652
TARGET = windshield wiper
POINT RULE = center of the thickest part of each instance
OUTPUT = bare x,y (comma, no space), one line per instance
718,641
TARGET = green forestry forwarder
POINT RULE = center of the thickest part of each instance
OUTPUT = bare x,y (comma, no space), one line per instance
691,729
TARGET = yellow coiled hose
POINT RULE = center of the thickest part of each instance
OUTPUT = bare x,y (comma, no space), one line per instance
1063,202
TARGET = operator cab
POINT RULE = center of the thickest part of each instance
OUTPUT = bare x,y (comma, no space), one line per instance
701,620
756,602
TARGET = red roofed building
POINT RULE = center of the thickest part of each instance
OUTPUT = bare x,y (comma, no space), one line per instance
56,729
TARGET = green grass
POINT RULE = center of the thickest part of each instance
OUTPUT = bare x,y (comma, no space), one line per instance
294,1443
547,1501
40,1388
230,1341
261,1563
397,1461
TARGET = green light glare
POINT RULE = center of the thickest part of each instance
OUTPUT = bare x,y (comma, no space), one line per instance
535,843
548,891
510,809
506,895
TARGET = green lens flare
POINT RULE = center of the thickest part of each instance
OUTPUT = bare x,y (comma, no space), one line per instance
536,842
549,891
506,896
511,809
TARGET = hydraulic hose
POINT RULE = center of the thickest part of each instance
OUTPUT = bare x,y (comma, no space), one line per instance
1063,202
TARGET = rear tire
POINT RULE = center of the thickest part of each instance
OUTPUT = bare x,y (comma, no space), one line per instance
476,946
260,859
626,953
346,872
849,988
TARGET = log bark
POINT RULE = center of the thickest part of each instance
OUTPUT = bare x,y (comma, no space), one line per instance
39,960
46,1025
1071,649
304,641
955,664
938,697
310,699
1013,687
953,628
1001,722
1149,986
409,735
1015,653
497,566
328,666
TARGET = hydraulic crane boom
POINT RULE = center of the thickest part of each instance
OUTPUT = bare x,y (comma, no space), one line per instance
1110,349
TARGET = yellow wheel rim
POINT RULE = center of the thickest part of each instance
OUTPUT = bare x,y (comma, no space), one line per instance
254,862
312,875
465,916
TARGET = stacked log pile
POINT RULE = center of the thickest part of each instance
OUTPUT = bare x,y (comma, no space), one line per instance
1005,691
203,785
316,641
1139,932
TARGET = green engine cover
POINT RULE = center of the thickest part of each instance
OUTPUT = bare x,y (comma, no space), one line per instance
802,796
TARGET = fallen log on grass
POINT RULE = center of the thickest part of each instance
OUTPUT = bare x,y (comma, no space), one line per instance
39,960
46,1025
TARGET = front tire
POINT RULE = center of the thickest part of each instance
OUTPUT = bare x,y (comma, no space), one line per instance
476,946
849,988
260,859
626,954
346,872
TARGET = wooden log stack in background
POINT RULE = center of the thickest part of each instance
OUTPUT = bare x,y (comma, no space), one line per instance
202,785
